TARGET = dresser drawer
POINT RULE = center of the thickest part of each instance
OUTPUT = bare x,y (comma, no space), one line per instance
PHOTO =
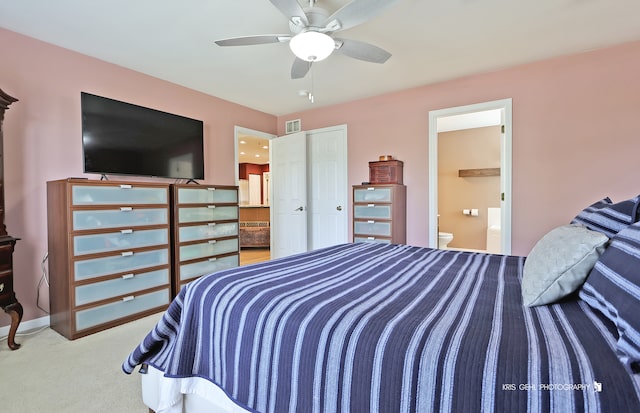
127,284
210,230
125,262
123,308
372,194
120,194
121,240
372,211
207,195
121,217
208,213
372,239
196,269
372,227
208,249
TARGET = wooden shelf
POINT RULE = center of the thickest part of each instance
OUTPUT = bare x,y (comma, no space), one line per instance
478,172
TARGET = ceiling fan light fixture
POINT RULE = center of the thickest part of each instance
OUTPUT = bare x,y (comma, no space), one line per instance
312,46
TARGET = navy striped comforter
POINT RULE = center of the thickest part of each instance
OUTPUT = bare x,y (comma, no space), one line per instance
369,327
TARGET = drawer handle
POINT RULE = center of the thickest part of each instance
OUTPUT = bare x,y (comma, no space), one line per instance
212,259
371,222
1,287
128,276
371,205
126,209
128,298
127,253
211,224
371,238
212,241
211,206
211,189
371,189
126,231
125,186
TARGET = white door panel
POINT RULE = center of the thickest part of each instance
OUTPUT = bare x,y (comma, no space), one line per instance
289,194
328,186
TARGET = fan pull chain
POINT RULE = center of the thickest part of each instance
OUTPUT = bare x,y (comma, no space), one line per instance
311,98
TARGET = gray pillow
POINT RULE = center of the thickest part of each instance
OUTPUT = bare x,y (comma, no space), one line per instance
559,263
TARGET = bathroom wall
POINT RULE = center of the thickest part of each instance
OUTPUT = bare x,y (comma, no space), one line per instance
467,149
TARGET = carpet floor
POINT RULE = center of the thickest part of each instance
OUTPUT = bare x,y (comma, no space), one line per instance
52,374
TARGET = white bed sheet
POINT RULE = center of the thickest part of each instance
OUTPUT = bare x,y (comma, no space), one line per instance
194,395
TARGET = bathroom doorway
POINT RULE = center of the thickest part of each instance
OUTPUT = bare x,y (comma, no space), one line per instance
253,180
470,177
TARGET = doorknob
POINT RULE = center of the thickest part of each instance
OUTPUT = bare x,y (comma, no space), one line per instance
339,208
299,209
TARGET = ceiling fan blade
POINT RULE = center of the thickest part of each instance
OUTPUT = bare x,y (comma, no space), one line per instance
355,13
293,11
253,40
362,51
300,68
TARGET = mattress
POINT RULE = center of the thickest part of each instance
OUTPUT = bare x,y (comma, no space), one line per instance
386,328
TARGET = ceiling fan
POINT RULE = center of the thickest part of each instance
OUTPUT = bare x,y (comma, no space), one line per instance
312,28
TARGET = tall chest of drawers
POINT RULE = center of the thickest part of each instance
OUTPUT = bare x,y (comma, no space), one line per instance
205,231
109,253
379,213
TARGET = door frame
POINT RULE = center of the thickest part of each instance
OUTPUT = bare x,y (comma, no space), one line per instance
237,131
505,166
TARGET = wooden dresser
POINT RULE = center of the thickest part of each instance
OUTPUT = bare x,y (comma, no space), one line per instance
379,213
109,253
8,300
205,231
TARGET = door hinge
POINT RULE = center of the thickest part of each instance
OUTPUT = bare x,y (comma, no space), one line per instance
501,128
502,196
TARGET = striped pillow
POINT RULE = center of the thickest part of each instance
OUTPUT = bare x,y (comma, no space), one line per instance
613,287
608,218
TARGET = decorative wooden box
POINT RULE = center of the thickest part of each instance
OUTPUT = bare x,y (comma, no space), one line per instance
385,172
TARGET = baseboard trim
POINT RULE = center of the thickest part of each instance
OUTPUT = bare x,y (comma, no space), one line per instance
26,326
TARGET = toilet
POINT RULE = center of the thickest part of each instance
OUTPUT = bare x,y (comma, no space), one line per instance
444,238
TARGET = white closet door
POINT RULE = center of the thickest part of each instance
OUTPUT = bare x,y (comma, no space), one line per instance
328,187
289,195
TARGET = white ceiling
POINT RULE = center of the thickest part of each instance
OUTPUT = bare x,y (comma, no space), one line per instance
253,149
431,41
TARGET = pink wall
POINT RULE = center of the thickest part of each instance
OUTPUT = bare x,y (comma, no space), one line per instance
42,136
575,139
576,135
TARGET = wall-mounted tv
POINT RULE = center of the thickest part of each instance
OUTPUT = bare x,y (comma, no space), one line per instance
125,139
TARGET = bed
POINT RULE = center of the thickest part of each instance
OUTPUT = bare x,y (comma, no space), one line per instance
367,327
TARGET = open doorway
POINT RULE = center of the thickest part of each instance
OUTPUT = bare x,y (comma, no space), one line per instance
253,178
320,216
487,216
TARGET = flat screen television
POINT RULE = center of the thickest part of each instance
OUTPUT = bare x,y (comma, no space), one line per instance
125,139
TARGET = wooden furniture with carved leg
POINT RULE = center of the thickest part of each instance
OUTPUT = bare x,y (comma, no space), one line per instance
8,300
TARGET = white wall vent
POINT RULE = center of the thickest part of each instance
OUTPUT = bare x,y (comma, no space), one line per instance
292,126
